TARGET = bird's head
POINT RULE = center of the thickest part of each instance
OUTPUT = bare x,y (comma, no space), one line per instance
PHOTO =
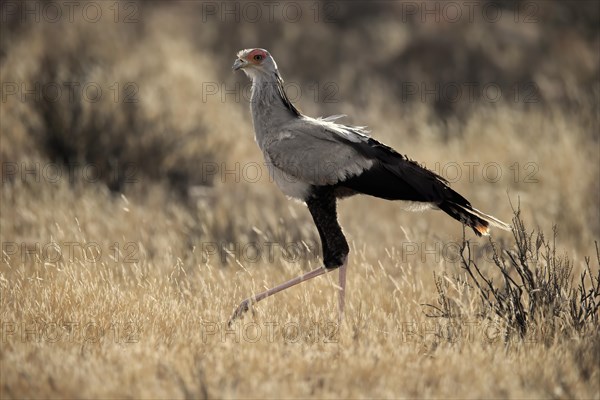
255,63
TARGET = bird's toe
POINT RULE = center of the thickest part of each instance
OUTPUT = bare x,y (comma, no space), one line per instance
241,310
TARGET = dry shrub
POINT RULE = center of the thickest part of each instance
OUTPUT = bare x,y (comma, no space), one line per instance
536,296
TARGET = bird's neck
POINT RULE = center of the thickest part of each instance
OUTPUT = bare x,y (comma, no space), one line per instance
271,108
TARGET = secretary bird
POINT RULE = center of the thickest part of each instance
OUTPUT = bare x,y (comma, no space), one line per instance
318,161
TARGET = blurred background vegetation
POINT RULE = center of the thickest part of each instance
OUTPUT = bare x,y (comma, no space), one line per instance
501,82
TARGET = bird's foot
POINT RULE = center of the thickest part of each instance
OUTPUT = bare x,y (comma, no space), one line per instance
241,310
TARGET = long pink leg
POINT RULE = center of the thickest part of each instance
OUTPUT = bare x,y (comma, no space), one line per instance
245,305
342,298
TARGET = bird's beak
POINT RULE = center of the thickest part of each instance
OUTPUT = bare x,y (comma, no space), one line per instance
239,63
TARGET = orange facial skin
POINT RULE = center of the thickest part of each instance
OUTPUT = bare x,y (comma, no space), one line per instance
256,56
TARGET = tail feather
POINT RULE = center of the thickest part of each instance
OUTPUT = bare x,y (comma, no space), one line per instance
395,177
472,217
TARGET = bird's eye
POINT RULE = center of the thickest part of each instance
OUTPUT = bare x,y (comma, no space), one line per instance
258,57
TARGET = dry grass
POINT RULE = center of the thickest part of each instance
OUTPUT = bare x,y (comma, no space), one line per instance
121,285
